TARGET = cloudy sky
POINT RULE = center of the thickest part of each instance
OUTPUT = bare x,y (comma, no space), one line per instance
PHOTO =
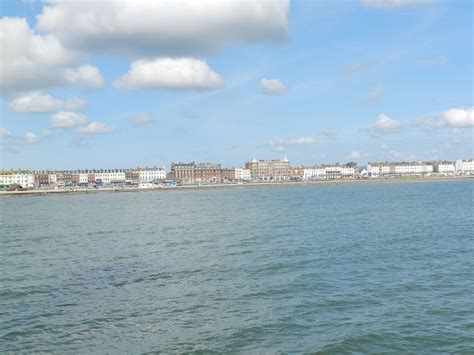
88,84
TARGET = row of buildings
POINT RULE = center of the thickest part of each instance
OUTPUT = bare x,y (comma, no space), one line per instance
68,178
208,173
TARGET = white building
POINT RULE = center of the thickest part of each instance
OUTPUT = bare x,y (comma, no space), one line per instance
53,179
464,167
110,176
154,174
328,172
23,178
314,173
376,170
413,169
347,171
6,178
83,178
444,168
242,174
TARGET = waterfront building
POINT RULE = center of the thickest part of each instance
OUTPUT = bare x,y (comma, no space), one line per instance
444,168
150,174
132,176
464,167
109,175
192,172
314,173
399,169
413,169
182,172
243,174
379,169
208,173
42,179
6,179
348,171
330,172
269,170
297,173
23,178
228,175
52,179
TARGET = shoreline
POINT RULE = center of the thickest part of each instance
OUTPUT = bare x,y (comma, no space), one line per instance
233,185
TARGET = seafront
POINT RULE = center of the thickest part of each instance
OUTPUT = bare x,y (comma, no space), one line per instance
237,185
253,173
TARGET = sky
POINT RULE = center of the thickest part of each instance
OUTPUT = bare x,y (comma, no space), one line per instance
118,84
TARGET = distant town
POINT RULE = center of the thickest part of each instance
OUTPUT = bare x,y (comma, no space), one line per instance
254,171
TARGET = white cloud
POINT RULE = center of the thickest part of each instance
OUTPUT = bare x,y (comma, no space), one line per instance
169,73
303,140
393,4
272,86
278,148
280,144
355,154
86,76
31,138
140,119
5,132
31,61
385,125
37,102
375,93
74,104
455,118
96,128
459,117
67,119
177,28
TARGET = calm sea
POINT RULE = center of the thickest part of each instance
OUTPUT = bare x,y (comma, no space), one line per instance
339,268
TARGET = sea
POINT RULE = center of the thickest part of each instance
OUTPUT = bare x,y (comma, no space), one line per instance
319,268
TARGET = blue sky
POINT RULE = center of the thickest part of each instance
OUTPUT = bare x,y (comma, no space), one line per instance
317,81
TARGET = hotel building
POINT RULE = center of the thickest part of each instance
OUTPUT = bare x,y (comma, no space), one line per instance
192,172
269,170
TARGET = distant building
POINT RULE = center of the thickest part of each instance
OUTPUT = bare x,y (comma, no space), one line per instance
25,179
192,172
151,174
228,175
464,167
297,173
182,172
109,176
269,170
243,174
413,169
42,179
132,176
330,172
399,169
208,172
444,168
314,173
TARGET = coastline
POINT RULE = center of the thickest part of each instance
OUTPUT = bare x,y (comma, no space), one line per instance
234,185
